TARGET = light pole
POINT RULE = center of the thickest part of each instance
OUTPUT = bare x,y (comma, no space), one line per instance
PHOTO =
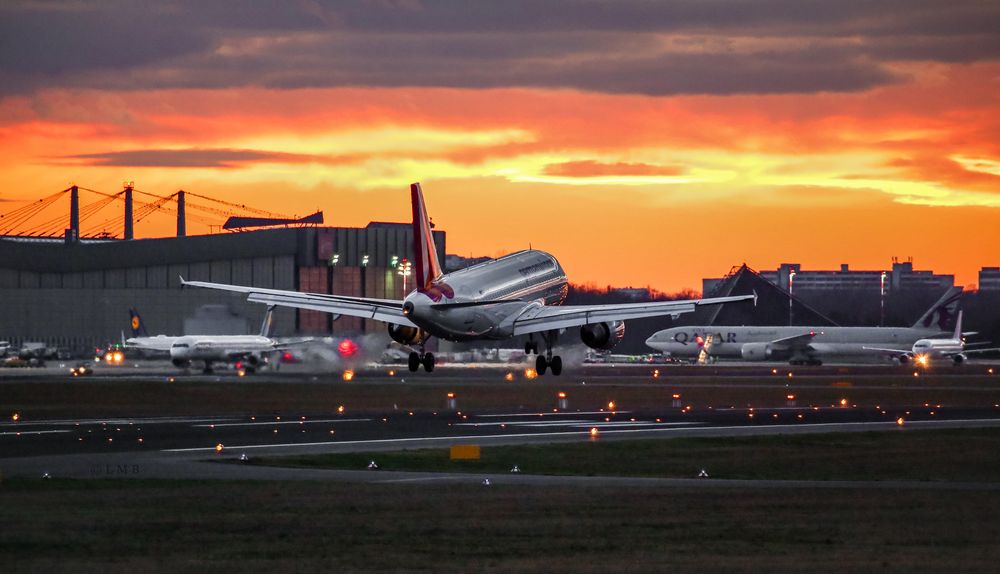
791,302
404,271
881,314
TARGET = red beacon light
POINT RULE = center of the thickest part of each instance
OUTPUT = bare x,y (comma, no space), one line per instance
347,348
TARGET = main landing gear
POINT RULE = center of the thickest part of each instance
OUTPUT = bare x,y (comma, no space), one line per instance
416,359
548,361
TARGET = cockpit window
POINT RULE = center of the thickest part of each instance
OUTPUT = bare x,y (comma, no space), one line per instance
181,345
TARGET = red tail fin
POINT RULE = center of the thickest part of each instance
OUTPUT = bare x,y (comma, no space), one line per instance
424,251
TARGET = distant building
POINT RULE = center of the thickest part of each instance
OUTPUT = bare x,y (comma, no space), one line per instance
634,293
858,297
774,306
77,294
989,279
900,277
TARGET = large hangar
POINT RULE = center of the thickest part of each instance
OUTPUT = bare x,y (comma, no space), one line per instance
76,293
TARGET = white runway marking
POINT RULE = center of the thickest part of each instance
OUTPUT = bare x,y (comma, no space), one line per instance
375,441
291,422
613,424
578,423
120,421
421,479
17,433
557,414
524,423
802,427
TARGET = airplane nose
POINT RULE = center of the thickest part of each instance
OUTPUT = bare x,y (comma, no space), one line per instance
407,308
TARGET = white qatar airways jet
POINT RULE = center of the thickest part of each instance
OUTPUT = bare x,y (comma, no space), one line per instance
517,294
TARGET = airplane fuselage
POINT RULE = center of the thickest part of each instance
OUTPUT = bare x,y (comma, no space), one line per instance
937,349
482,301
218,347
729,342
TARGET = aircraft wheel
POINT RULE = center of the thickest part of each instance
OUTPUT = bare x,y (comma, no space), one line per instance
414,362
556,365
208,371
249,370
429,362
541,364
527,348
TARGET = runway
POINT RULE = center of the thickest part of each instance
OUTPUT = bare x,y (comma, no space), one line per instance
169,426
174,447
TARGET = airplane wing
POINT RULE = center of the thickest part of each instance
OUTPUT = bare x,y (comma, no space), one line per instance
795,340
283,345
971,351
387,310
546,318
889,351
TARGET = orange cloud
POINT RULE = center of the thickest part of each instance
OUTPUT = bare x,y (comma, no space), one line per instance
676,187
591,168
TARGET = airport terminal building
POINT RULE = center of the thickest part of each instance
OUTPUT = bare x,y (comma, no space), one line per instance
76,294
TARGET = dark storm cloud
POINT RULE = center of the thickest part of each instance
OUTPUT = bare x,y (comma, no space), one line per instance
188,158
624,46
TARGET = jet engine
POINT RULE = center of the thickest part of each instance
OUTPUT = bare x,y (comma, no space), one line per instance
958,359
762,352
406,335
602,336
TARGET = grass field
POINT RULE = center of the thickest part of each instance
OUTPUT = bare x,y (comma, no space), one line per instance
936,455
168,526
95,526
94,398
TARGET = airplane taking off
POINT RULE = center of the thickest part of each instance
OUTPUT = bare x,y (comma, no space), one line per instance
926,350
802,345
517,294
186,349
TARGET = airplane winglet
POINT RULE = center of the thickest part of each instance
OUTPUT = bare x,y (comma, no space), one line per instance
183,282
754,297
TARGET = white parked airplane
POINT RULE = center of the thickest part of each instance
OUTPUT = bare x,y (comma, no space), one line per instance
186,349
926,350
802,345
517,294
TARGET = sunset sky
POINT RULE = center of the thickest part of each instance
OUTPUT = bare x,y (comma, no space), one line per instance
642,143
